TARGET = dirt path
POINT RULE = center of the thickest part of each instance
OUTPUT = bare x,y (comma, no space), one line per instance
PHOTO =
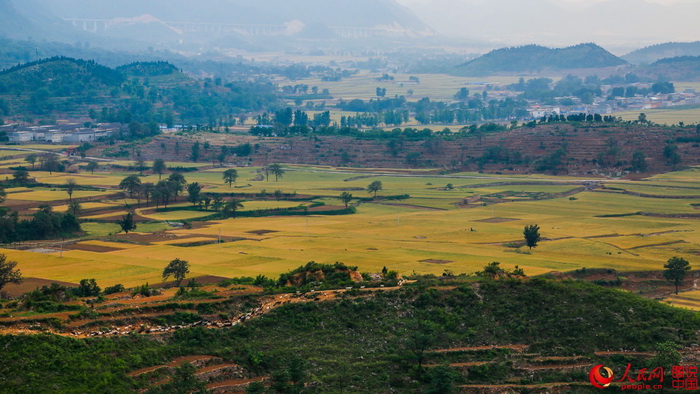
517,348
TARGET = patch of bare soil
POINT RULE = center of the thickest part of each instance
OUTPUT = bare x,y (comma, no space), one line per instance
91,248
29,284
496,220
153,237
424,208
433,261
517,348
261,232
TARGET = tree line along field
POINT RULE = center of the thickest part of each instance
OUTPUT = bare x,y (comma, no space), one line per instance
621,225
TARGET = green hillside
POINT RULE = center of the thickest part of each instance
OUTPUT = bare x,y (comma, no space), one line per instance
535,58
377,342
682,68
666,50
145,91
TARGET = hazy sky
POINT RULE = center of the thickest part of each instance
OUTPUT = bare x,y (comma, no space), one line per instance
617,24
563,2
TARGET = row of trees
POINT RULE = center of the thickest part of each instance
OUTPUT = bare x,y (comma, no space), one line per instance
43,224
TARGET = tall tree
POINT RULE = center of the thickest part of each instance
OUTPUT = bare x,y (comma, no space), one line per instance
8,272
178,269
31,158
140,163
195,152
92,166
20,177
230,176
677,269
231,207
159,167
49,162
639,161
276,170
178,182
74,208
532,235
127,223
194,191
345,197
71,185
130,184
163,192
375,187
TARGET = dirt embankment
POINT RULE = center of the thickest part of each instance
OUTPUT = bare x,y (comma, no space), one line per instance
586,150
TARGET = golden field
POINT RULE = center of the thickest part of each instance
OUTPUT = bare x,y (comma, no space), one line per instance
427,233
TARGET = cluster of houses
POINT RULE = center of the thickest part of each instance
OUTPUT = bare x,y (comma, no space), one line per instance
604,105
608,106
59,133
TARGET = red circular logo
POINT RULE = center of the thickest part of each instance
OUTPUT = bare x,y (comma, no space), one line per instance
601,376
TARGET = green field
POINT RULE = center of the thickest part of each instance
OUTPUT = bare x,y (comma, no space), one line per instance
427,233
668,116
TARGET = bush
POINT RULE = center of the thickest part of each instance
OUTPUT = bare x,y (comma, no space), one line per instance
114,289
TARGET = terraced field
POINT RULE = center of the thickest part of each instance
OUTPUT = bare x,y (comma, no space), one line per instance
593,223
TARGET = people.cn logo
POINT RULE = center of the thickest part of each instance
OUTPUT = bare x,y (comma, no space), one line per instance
601,376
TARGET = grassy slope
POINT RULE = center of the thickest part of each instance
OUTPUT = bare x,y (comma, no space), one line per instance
364,343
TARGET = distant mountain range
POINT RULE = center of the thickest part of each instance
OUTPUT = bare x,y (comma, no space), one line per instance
177,21
653,53
534,58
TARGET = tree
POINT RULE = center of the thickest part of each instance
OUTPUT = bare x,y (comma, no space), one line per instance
230,176
162,192
8,273
676,270
159,167
71,185
231,207
421,336
177,182
642,118
195,152
278,194
140,163
375,187
130,184
345,197
75,208
194,191
31,158
639,161
3,194
493,270
532,235
92,166
87,288
49,162
671,154
20,177
178,269
276,170
127,223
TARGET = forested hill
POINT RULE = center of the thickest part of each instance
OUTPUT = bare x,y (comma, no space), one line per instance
472,333
56,74
147,91
535,58
686,68
657,52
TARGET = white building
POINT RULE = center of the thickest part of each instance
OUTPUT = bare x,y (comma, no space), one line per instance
21,136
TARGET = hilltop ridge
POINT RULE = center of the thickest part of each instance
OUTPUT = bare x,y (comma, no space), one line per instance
535,58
